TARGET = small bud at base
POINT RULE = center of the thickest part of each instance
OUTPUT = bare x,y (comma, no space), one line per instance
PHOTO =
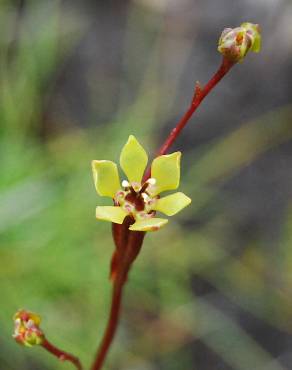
26,330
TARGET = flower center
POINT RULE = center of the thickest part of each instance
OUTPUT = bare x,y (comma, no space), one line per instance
136,199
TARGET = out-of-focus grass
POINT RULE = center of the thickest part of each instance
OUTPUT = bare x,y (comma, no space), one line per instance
55,256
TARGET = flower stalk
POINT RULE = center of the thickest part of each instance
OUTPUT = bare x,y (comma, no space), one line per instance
128,245
199,96
61,355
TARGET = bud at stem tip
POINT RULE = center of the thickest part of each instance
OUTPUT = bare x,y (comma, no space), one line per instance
235,43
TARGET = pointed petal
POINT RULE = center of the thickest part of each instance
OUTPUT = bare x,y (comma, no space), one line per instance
106,178
133,159
111,213
166,171
172,204
149,224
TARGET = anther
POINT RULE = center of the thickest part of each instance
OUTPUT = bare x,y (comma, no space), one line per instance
125,184
145,196
151,181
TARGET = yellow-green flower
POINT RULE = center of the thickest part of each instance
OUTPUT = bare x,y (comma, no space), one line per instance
134,198
26,330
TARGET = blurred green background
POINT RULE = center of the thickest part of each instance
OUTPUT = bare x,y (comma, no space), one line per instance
213,289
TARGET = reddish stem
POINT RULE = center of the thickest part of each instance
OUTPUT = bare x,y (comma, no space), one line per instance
131,244
199,95
61,355
111,325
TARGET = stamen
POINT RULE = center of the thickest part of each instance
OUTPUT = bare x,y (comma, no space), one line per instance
125,184
143,188
145,196
151,181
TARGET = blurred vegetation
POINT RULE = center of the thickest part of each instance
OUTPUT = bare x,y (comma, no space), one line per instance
195,285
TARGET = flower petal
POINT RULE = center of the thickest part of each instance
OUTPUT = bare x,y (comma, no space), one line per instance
172,204
106,178
254,31
149,224
111,213
166,171
133,159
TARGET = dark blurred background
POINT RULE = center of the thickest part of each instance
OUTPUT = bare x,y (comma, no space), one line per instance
213,289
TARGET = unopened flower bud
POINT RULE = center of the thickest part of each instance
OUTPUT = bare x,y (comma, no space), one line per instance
235,43
26,330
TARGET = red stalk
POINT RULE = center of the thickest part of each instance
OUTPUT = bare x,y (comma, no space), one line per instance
61,355
199,96
111,325
128,247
